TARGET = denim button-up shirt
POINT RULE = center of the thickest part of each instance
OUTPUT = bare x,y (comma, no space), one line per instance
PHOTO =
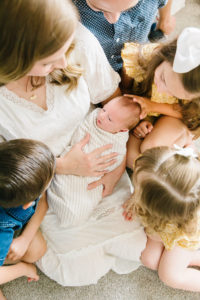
133,25
12,219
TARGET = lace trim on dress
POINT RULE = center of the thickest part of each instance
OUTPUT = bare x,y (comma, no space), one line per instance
11,96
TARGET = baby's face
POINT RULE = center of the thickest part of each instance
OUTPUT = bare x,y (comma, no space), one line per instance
111,119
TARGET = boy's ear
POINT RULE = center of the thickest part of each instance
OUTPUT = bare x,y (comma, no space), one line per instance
27,205
124,130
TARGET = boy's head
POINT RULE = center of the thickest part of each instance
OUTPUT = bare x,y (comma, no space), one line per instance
119,114
26,168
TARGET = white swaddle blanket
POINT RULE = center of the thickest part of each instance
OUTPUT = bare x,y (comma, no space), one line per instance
68,195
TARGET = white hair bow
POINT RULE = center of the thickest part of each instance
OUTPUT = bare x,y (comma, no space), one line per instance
187,152
187,55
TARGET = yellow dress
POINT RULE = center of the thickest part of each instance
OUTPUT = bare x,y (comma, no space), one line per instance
174,236
133,56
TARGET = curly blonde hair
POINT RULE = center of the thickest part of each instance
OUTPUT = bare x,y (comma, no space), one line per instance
167,189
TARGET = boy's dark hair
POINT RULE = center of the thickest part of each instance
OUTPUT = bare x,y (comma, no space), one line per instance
26,168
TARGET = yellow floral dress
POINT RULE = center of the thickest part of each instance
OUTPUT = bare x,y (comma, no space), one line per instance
133,56
174,236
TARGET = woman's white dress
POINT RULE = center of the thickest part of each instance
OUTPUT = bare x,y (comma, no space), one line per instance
79,255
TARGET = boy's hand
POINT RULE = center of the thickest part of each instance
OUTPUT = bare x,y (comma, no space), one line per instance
30,271
18,248
167,25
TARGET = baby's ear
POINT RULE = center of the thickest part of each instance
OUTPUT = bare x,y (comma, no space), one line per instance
124,130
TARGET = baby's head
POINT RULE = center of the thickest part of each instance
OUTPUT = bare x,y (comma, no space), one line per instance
167,188
118,115
26,169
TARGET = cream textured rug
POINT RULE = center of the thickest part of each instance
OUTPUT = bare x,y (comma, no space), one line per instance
142,284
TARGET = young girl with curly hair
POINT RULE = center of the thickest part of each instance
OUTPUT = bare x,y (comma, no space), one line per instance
167,202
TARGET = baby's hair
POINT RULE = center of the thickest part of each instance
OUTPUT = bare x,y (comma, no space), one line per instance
134,110
167,189
26,168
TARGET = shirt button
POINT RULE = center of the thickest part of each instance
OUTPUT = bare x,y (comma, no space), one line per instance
117,40
112,56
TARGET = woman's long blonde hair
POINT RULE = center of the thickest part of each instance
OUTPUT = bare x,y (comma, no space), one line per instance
32,30
167,189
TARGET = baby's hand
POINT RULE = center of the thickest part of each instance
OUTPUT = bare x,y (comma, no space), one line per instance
18,248
128,207
144,128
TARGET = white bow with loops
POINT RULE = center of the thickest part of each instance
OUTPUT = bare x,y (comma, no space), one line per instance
187,152
187,55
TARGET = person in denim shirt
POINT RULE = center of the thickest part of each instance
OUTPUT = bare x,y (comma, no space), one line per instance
26,169
115,22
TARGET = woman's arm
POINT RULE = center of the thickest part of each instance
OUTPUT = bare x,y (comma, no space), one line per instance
115,94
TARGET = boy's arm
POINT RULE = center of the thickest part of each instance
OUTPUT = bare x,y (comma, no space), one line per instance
20,245
8,273
34,223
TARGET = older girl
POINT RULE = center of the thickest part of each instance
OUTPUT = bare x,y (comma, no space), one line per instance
165,74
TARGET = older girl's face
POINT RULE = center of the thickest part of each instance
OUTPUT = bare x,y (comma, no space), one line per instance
55,61
169,82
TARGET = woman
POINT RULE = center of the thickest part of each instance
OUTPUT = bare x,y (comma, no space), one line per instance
45,39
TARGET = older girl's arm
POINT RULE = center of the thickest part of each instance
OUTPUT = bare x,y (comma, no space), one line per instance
147,106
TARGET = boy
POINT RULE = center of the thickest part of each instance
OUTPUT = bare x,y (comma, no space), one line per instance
110,124
26,169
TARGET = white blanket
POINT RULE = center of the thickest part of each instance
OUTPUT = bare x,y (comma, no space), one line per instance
68,195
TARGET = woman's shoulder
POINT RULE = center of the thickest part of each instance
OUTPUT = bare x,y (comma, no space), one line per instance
85,38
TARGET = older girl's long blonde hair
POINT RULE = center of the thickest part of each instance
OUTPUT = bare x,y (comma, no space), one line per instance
32,30
190,81
167,189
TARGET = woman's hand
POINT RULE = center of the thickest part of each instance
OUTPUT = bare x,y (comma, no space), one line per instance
142,129
77,162
145,104
109,180
18,248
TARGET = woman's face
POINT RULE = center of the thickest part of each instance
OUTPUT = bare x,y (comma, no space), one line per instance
55,61
169,82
